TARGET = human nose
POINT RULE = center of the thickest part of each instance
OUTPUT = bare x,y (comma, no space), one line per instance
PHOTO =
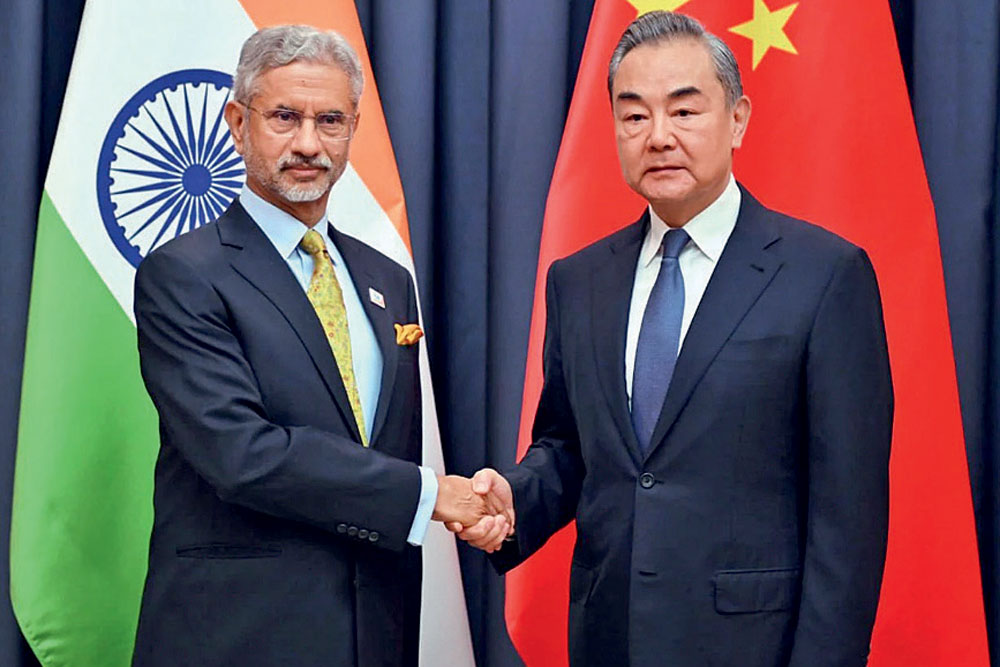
306,140
662,135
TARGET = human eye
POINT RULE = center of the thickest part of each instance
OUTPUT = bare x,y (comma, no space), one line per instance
633,122
331,120
284,119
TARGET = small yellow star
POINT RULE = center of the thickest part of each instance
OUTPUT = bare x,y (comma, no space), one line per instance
643,6
767,29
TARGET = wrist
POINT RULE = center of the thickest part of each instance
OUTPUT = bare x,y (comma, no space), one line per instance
442,490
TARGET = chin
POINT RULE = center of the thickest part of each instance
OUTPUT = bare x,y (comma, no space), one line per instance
667,188
668,196
301,193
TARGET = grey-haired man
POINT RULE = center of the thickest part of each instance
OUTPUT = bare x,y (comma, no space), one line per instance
717,406
289,504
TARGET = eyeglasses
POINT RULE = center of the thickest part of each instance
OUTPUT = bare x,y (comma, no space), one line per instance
334,125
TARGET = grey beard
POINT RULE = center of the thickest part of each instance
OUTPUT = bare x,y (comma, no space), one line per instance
302,193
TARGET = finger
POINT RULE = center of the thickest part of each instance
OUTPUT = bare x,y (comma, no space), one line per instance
485,535
478,531
494,505
454,526
495,545
482,481
507,512
508,530
511,518
492,539
494,542
498,504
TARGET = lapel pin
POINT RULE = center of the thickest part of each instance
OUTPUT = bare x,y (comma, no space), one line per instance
376,297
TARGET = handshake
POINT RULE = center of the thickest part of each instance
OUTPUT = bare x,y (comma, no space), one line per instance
479,510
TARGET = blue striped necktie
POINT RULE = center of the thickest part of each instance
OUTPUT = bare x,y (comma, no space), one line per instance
659,337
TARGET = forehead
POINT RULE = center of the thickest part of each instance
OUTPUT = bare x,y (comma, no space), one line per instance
653,70
304,83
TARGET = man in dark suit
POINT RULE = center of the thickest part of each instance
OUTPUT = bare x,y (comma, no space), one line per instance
717,405
289,504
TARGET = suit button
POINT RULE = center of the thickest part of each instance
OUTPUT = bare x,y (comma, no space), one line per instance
362,534
373,536
352,531
341,528
646,480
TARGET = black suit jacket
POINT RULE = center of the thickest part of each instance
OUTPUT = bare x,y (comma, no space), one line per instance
753,532
278,538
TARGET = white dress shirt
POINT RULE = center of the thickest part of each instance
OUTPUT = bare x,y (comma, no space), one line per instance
709,231
285,233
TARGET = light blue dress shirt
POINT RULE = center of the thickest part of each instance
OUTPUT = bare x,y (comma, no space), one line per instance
285,233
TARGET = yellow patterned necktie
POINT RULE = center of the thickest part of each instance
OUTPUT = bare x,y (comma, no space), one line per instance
328,300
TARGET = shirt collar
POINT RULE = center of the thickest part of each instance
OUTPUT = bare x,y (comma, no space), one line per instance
283,230
709,230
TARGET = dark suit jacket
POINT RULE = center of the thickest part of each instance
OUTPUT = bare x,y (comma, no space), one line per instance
753,533
278,538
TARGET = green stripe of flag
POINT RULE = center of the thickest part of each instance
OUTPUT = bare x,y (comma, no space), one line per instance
87,444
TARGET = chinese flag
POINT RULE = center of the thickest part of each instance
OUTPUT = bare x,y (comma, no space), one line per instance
831,140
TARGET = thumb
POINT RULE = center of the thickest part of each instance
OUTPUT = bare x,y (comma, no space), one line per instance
455,526
482,481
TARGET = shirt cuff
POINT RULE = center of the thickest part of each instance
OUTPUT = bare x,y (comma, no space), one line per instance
425,506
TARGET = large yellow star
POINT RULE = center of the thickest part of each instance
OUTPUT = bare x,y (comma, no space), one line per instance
767,29
643,6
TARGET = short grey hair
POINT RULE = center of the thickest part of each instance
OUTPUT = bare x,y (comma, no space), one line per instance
661,27
282,45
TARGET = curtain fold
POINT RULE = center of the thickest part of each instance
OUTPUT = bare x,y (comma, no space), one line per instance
36,46
955,90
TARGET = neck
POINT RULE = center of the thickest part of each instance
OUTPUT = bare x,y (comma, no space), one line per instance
307,212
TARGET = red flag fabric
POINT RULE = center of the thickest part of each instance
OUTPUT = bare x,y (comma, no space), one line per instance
831,140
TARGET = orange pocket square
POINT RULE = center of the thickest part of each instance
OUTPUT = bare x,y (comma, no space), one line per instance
408,334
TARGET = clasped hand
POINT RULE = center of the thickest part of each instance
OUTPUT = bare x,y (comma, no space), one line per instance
479,510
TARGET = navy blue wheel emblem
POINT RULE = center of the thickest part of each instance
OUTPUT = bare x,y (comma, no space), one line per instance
168,164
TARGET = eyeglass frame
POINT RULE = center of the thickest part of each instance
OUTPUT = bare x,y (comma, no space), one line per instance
350,118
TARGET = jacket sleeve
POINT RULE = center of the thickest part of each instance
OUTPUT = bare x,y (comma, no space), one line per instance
547,481
849,410
211,410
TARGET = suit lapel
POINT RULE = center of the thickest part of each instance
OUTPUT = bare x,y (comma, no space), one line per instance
366,276
609,316
744,270
261,265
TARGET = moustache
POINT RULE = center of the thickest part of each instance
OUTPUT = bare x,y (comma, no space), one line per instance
293,162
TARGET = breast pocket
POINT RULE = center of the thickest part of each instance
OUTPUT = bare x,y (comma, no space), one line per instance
768,348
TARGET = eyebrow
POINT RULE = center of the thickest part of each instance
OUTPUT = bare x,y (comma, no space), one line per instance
686,91
286,107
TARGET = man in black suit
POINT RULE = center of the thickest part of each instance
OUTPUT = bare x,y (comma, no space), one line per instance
289,504
717,404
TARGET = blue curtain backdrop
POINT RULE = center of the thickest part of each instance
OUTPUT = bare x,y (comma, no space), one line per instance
475,96
950,50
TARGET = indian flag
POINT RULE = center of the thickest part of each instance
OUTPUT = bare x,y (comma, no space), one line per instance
142,155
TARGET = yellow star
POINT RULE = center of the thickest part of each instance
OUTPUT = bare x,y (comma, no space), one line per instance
767,29
643,6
